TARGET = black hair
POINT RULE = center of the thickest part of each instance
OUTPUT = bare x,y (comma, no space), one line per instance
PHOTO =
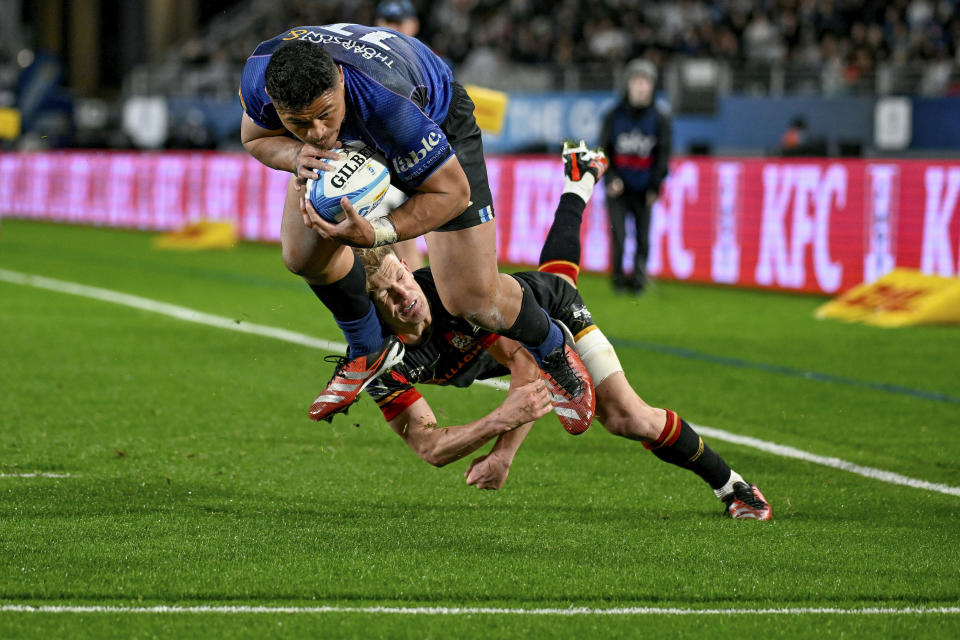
298,73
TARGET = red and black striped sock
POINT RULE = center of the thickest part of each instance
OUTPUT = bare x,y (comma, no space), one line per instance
679,444
561,249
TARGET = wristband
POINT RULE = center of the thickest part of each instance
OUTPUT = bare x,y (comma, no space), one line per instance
383,231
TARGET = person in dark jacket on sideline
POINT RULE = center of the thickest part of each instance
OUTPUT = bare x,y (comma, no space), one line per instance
636,137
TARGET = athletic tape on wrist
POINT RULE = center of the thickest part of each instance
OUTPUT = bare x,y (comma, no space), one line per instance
383,231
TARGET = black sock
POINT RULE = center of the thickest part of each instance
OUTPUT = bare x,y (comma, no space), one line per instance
532,325
563,240
679,444
346,298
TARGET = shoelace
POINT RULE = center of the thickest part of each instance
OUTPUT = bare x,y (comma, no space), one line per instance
340,361
749,498
566,376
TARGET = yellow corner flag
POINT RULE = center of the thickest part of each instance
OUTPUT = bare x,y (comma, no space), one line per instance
204,234
490,107
900,298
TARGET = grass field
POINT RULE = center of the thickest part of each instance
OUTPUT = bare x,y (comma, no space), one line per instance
191,475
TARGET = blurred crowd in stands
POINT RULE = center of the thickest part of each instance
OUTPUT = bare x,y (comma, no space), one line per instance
842,42
748,47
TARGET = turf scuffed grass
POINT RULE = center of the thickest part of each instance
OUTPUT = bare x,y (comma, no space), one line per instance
195,477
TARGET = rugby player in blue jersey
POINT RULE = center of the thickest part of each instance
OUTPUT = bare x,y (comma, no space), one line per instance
442,349
311,87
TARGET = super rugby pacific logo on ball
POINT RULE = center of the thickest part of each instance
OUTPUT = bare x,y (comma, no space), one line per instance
360,174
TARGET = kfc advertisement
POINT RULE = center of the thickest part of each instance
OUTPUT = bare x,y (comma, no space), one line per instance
819,225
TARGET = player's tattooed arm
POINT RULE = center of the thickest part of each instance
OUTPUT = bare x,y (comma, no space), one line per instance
490,471
441,445
514,356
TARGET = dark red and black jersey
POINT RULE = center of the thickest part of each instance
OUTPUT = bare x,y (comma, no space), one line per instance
452,352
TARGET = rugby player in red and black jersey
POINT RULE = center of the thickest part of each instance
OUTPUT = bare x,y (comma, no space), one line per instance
446,350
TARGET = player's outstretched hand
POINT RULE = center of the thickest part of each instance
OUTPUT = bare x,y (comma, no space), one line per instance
310,161
354,230
488,471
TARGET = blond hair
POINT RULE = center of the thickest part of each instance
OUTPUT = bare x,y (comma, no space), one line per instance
372,259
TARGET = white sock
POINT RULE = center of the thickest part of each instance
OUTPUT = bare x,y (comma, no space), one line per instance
727,489
583,187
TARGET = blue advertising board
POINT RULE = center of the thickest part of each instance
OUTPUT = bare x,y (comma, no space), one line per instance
541,121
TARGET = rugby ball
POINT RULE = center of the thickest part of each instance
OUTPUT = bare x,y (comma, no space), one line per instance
360,173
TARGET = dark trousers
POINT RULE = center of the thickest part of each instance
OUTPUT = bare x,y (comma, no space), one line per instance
630,203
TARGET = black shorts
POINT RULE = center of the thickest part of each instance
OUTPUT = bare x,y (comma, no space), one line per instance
463,134
559,298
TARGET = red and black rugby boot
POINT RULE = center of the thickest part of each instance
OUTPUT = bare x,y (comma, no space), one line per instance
579,160
352,376
747,503
571,388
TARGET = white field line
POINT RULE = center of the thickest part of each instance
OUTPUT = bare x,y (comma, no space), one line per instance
469,611
221,322
37,474
836,463
172,310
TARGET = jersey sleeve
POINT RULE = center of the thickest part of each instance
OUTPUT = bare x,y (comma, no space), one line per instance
415,145
488,340
393,393
253,94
